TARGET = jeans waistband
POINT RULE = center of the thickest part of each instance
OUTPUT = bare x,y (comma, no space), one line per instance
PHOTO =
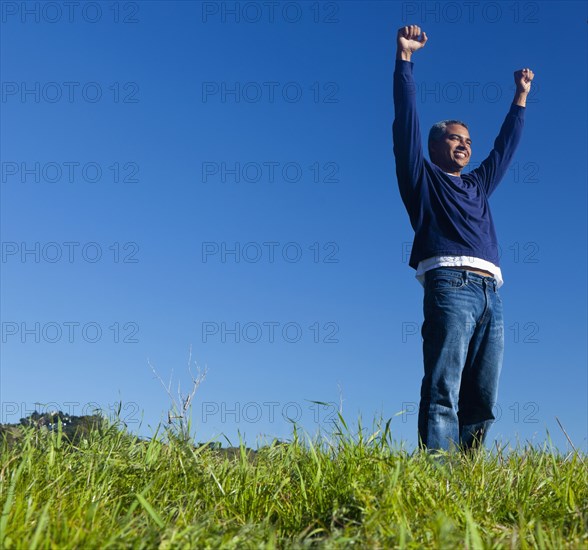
465,274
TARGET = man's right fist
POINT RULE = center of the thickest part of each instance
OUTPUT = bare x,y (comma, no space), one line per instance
410,39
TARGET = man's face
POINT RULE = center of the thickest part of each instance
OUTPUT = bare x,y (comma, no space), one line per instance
453,151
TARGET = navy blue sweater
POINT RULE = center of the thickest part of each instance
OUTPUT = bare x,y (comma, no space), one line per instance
450,215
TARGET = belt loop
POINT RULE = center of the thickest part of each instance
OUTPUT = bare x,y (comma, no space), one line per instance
464,275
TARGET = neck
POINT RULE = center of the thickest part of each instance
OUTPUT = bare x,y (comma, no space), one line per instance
451,171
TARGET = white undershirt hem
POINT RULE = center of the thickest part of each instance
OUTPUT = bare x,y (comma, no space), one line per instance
457,261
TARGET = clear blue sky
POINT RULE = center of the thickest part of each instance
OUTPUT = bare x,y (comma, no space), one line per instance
177,173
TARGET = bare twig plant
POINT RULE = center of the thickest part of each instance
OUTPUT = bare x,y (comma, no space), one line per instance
179,417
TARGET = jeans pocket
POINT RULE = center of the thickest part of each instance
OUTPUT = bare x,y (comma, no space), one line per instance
444,282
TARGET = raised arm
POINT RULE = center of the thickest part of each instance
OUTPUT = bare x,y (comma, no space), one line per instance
494,167
406,133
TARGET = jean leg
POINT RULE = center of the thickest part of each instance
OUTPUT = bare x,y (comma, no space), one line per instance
479,386
450,309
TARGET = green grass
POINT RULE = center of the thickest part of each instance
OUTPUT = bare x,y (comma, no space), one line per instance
113,490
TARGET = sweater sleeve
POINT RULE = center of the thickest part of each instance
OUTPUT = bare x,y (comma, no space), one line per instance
406,133
494,167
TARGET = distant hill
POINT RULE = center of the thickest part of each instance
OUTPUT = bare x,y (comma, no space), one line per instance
76,428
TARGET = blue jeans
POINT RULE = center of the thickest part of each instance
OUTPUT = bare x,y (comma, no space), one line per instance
463,345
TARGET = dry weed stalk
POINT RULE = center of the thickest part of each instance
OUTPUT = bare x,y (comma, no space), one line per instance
178,417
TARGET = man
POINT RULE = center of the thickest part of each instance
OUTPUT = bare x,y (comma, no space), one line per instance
455,254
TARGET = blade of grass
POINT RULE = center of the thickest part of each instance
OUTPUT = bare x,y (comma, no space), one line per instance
149,509
569,440
9,502
473,539
41,525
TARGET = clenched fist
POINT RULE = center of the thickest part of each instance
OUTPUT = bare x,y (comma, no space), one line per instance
409,40
523,79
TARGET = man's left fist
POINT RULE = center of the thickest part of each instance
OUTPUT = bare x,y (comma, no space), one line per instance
523,79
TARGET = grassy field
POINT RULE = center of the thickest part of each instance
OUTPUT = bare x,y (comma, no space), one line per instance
109,489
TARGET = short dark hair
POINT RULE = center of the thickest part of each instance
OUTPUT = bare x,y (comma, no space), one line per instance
438,130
